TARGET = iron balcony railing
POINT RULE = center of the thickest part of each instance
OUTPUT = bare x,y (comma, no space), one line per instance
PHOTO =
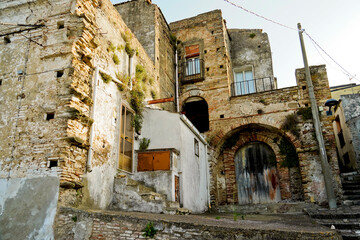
252,86
193,70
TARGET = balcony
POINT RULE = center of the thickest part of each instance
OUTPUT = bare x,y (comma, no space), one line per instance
193,71
252,86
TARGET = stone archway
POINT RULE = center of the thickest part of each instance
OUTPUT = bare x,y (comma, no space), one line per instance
280,184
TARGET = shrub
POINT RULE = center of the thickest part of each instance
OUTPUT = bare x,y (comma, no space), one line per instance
105,77
149,230
144,143
290,124
116,59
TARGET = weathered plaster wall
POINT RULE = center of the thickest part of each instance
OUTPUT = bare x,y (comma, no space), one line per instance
167,130
251,47
349,116
28,207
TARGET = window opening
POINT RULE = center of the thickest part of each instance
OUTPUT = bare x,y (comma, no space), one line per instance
53,164
192,60
197,112
196,147
7,40
60,25
244,82
1,82
59,74
126,139
50,116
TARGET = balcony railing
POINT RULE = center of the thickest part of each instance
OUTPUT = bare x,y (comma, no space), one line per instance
193,70
252,86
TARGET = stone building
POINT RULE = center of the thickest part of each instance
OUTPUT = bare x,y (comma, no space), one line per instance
74,78
229,92
347,131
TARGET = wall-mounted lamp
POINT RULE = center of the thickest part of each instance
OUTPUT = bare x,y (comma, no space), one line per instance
329,103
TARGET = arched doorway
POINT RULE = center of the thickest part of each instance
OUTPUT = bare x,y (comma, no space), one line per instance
256,174
196,110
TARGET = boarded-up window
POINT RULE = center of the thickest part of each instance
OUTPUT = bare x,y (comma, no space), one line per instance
192,51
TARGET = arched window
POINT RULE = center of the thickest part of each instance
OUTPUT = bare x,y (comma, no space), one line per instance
196,110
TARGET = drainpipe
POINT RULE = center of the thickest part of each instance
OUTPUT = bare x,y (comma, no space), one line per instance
176,80
92,115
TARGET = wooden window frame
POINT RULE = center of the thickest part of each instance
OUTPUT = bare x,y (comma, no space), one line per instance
122,129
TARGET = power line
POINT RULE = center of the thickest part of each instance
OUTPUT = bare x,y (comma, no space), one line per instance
344,71
317,46
260,16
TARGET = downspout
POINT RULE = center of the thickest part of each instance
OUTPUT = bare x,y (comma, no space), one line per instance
92,115
176,79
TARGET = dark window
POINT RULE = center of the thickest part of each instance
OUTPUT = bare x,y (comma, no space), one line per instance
346,158
53,164
196,147
60,25
341,139
0,82
197,113
50,116
59,74
7,40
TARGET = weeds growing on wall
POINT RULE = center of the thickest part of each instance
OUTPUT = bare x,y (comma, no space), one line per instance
287,150
116,59
149,230
105,77
111,47
144,143
290,125
128,49
305,113
124,78
154,94
252,35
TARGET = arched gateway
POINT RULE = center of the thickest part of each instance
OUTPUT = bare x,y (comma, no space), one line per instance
256,175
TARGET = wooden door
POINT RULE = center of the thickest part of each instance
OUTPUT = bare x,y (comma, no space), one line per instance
126,139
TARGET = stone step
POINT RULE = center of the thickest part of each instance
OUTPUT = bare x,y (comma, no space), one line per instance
352,197
352,192
334,215
350,187
171,204
349,174
355,178
351,202
348,234
340,224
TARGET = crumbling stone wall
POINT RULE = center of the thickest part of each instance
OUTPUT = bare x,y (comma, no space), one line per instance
47,76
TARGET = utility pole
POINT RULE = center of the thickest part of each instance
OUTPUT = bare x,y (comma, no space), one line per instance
315,113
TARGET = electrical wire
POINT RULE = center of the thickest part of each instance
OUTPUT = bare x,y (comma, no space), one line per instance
260,16
343,70
317,46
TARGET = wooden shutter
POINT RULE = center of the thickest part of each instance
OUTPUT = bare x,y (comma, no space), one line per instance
192,51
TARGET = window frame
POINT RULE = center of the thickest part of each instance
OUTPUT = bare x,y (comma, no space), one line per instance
123,139
196,147
242,87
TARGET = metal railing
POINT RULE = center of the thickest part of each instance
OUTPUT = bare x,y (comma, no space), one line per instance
252,86
193,70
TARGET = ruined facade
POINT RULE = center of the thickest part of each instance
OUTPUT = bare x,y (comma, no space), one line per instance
75,76
246,111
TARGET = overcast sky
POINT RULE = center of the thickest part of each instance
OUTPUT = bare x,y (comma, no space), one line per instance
333,24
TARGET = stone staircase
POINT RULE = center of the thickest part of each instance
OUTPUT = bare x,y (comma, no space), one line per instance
346,218
351,186
135,196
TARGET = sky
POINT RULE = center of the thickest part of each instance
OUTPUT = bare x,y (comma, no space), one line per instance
333,24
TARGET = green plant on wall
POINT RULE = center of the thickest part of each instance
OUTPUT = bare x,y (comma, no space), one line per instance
149,230
137,123
144,143
252,35
140,73
287,150
124,78
128,49
290,125
154,94
116,59
305,113
105,77
111,47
